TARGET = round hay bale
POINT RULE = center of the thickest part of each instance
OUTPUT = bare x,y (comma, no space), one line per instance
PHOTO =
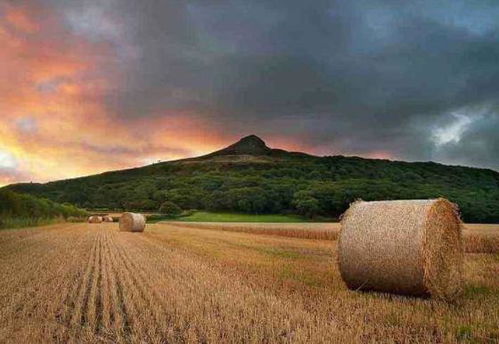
107,219
95,219
411,247
132,222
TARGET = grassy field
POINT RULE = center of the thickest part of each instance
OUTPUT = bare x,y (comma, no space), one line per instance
23,222
203,216
16,222
73,283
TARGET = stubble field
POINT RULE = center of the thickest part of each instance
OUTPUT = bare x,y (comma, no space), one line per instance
74,283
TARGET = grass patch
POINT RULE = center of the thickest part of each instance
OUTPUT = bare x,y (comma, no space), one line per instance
203,216
157,218
464,333
476,290
20,222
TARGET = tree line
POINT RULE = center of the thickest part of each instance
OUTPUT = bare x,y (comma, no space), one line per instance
310,187
18,208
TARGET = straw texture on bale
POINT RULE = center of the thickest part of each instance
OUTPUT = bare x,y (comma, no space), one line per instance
411,247
132,222
107,219
95,219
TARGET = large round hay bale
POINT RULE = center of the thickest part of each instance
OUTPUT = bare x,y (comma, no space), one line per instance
132,222
411,247
107,219
95,219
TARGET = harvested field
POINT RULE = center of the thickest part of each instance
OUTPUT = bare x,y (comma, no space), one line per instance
74,283
478,238
320,231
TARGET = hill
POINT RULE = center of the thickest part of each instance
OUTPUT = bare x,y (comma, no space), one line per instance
248,149
250,177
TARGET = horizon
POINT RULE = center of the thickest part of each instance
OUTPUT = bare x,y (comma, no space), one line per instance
89,87
159,161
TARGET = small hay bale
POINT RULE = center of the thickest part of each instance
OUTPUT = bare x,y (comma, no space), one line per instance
411,247
107,219
95,219
132,222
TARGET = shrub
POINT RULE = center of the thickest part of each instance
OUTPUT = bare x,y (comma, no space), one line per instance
19,210
170,209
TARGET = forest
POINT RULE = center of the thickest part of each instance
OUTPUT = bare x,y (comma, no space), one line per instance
304,185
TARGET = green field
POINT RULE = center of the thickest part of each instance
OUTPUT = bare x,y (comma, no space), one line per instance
203,216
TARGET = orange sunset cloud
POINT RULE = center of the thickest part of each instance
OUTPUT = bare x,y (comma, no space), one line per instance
53,123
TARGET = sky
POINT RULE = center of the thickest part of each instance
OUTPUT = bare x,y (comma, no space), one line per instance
88,86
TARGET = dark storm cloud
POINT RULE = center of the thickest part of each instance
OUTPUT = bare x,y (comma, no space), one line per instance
478,145
354,76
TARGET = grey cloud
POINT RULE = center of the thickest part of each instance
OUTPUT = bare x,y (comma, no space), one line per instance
122,151
10,175
358,76
27,125
478,145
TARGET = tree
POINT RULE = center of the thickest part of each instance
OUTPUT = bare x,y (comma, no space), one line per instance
306,204
170,209
248,199
308,207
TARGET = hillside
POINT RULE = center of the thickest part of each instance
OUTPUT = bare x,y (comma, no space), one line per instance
251,177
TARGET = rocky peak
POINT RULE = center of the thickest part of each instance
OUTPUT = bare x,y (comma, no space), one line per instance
248,145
